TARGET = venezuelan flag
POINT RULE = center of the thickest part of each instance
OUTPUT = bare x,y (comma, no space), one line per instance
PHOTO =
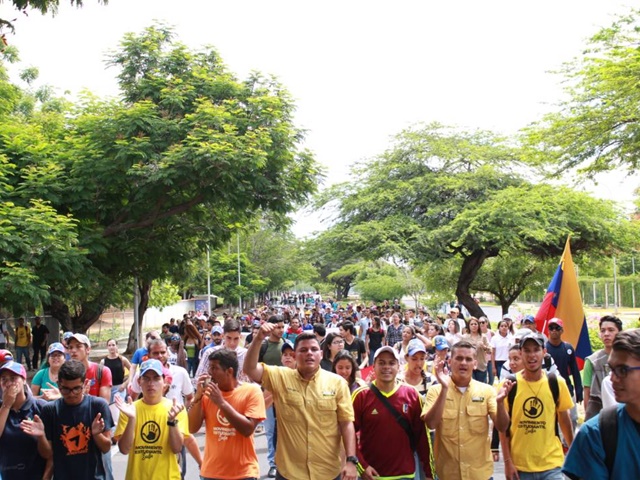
563,301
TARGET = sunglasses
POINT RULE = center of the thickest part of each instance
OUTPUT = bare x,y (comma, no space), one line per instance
554,327
482,323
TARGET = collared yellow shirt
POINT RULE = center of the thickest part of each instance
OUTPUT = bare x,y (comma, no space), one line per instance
309,440
462,446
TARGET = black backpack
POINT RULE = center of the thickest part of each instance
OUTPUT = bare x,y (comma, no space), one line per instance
608,425
555,391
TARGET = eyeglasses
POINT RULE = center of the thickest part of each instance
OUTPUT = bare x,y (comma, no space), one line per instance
621,371
151,379
554,328
74,390
207,338
481,322
337,342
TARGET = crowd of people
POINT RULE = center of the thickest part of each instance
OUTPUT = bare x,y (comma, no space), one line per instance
341,392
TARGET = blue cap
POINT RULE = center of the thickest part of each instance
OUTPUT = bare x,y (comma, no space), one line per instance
286,345
529,319
415,346
55,347
16,368
151,365
217,329
440,342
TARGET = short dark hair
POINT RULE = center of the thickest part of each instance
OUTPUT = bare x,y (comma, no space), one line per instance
462,344
612,319
227,359
348,327
231,325
305,336
629,342
72,370
275,319
320,329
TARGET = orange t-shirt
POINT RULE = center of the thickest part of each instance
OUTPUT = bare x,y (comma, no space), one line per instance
227,453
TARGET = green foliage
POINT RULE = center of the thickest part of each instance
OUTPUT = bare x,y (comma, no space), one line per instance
597,127
187,156
442,194
163,294
43,6
380,282
594,339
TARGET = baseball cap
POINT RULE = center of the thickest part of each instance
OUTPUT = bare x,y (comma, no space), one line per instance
151,365
287,344
535,336
389,349
415,347
440,342
14,367
455,309
528,319
217,329
5,356
67,335
256,323
507,316
55,347
556,321
81,339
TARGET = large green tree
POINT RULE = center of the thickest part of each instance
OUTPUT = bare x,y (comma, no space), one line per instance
43,6
185,156
597,127
442,193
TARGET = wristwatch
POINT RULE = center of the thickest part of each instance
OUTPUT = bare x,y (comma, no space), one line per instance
172,423
353,459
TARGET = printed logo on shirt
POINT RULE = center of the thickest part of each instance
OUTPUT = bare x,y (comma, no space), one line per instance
222,419
150,432
532,407
76,439
374,412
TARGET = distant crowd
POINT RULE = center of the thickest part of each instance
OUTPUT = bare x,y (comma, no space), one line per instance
341,391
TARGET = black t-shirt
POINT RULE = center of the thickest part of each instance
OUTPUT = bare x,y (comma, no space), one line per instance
75,454
356,349
117,369
38,333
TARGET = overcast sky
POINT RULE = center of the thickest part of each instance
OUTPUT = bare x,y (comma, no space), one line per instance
360,72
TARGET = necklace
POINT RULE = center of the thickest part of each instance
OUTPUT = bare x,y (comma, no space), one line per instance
535,394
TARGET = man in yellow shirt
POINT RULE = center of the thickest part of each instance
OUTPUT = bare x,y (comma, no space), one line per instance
152,430
314,412
458,408
23,340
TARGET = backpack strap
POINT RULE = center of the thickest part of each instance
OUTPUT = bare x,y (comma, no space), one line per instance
555,391
402,421
263,349
510,398
99,376
608,426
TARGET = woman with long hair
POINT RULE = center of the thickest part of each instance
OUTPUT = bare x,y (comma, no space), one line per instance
345,366
485,329
409,333
500,344
117,364
476,338
45,382
453,334
374,338
192,344
333,344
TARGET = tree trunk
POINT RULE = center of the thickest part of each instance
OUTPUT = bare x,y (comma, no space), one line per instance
144,288
90,313
470,267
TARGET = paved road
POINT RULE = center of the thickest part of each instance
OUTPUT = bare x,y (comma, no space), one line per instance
120,461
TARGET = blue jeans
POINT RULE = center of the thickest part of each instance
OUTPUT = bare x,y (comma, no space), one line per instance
490,373
553,474
192,366
23,351
270,432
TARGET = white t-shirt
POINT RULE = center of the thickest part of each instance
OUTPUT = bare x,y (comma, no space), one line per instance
181,385
501,346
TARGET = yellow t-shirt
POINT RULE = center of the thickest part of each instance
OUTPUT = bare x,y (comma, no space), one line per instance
150,455
23,336
535,447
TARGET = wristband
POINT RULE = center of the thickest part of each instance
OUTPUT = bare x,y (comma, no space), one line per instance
172,423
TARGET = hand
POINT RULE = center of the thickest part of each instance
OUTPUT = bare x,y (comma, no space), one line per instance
443,378
510,471
126,407
51,393
504,390
265,330
10,394
175,410
86,387
349,471
97,426
34,427
215,394
201,385
370,473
